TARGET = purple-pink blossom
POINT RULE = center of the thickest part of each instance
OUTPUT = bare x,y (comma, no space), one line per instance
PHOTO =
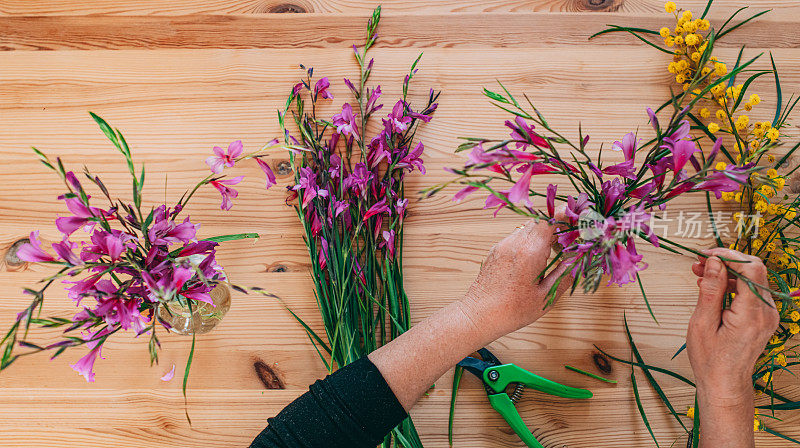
377,208
32,251
271,180
397,120
345,121
228,193
624,263
321,89
221,159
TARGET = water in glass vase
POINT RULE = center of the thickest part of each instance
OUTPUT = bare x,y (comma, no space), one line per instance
204,316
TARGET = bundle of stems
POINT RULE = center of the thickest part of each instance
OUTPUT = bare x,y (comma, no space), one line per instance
349,193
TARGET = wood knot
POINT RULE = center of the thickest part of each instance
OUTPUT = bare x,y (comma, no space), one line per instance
602,363
11,258
599,5
283,8
283,168
268,376
277,268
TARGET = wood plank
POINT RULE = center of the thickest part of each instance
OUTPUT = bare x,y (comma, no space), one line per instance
364,7
308,31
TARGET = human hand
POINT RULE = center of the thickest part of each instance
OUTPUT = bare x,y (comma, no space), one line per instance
724,344
508,293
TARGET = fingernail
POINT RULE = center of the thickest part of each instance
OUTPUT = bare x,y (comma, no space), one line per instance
713,267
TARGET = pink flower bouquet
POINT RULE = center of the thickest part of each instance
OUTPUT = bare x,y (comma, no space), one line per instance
135,262
608,207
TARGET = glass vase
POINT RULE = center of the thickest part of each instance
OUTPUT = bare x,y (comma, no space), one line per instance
203,316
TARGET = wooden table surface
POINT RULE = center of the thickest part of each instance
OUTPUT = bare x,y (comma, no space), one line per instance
179,77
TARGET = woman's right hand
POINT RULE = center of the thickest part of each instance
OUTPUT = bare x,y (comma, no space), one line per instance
724,345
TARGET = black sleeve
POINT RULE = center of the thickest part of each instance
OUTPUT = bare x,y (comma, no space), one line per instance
352,408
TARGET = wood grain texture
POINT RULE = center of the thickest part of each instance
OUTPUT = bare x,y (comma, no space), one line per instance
391,7
180,77
293,31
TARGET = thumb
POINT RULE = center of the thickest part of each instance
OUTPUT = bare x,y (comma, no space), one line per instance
712,291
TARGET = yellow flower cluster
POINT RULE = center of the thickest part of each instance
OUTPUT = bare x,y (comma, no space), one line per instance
689,45
762,214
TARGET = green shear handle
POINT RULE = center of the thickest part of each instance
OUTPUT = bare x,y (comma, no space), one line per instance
498,377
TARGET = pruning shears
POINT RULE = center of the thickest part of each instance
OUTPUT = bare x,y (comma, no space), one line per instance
497,377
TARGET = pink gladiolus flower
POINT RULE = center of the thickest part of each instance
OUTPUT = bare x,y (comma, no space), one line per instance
82,288
117,310
199,292
642,191
345,121
81,216
338,207
111,244
220,159
524,134
576,205
400,208
521,189
372,105
612,191
308,183
323,253
494,201
551,200
729,179
65,249
169,375
681,151
164,231
627,146
463,193
359,178
321,89
197,248
593,168
166,284
271,180
32,252
624,263
624,169
227,193
397,121
85,365
653,119
412,159
378,208
388,241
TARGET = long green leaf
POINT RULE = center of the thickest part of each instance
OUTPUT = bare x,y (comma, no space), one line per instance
722,33
186,373
650,377
644,295
618,28
778,434
591,375
457,374
778,91
641,408
232,237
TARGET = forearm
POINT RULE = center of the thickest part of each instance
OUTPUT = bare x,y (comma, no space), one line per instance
414,361
726,422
